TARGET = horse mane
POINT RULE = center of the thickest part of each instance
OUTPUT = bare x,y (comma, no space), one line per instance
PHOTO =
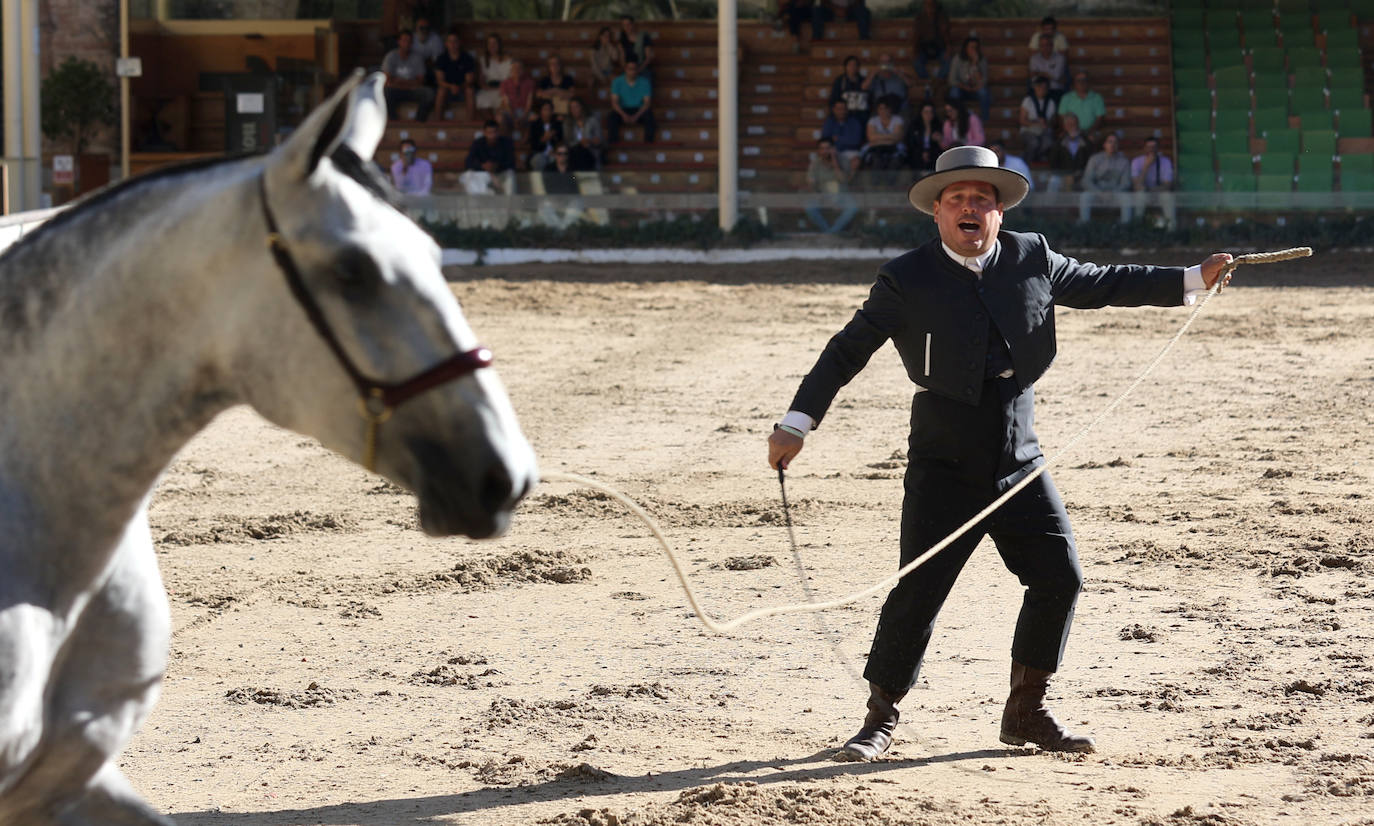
17,288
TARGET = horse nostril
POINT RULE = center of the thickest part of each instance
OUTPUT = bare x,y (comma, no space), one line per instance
497,488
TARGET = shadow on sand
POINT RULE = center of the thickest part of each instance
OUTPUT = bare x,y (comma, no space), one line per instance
423,810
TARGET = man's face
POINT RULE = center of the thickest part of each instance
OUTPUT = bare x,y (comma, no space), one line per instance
452,44
516,68
1071,123
555,66
422,27
1047,30
1042,89
627,25
824,148
403,43
1152,147
840,110
969,216
1080,83
1109,145
885,61
851,68
1046,46
631,70
490,133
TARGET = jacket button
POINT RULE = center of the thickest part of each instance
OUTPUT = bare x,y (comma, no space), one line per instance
968,391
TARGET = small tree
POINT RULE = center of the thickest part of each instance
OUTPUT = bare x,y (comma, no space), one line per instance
78,99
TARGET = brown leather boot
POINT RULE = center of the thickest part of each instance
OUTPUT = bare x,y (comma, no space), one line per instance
1027,720
876,734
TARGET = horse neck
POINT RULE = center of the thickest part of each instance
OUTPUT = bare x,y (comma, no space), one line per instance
132,360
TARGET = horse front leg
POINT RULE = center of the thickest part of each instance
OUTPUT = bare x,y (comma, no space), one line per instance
103,689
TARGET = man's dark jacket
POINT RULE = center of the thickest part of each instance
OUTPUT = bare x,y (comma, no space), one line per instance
942,318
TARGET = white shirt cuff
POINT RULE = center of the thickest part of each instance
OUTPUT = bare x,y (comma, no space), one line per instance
799,420
1193,288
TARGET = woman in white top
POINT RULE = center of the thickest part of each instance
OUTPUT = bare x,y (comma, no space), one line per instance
495,67
968,76
885,149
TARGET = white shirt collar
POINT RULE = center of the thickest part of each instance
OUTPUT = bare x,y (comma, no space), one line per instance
976,263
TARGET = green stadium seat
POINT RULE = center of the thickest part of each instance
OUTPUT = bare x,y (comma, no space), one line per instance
1334,9
1270,119
1357,181
1194,100
1316,119
1195,146
1196,157
1232,164
1265,182
1316,181
1224,43
1354,123
1306,56
1197,180
1192,80
1309,77
1233,120
1271,93
1256,20
1183,19
1346,97
1267,59
1232,142
1232,79
1288,141
1293,6
1341,37
1190,57
1220,7
1318,143
1238,182
1193,120
1277,163
1358,162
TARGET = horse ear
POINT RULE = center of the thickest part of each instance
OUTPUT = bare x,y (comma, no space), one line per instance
320,133
366,117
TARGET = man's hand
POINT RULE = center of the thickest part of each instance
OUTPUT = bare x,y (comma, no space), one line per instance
1211,269
783,447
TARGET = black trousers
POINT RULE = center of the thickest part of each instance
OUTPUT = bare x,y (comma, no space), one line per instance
646,121
1031,532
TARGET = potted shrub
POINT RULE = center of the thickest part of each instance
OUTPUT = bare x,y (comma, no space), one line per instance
78,101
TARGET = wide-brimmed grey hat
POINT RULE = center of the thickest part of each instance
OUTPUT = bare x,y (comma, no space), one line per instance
968,163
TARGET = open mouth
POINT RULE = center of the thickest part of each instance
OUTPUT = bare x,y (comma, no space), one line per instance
970,228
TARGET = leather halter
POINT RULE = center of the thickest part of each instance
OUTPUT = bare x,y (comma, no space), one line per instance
376,399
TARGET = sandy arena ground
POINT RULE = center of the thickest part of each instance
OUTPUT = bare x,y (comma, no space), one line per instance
331,665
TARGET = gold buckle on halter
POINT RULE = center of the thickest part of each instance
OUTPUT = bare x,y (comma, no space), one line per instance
375,411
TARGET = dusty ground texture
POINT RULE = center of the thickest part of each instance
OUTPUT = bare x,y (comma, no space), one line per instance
331,665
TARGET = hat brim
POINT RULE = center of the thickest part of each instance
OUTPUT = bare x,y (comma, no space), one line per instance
1011,185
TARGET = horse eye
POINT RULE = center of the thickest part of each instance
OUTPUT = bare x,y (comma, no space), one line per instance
357,271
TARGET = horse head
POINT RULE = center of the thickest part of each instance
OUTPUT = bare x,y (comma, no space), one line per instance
378,361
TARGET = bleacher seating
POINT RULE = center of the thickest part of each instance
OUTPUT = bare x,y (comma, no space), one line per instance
1287,80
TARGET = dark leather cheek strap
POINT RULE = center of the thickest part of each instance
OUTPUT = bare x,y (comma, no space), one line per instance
373,392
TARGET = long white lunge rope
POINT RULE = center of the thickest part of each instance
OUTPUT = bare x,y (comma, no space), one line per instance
808,607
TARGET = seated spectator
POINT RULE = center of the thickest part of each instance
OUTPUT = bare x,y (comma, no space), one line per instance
930,41
846,134
1152,171
495,68
1054,66
849,87
631,96
428,44
884,150
608,60
1069,157
492,152
888,81
1087,105
1037,121
962,127
924,139
635,45
559,178
1106,180
455,75
517,96
829,177
412,175
1012,162
405,79
827,11
556,87
545,135
1049,28
968,76
583,133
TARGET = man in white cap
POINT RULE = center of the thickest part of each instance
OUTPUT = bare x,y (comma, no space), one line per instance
971,315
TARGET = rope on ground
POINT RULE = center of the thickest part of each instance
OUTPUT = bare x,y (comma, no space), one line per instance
722,627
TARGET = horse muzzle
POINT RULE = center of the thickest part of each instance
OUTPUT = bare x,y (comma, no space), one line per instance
471,495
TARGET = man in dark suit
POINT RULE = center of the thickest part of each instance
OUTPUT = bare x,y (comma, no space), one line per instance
972,316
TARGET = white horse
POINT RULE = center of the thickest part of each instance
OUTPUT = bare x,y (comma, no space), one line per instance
126,324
